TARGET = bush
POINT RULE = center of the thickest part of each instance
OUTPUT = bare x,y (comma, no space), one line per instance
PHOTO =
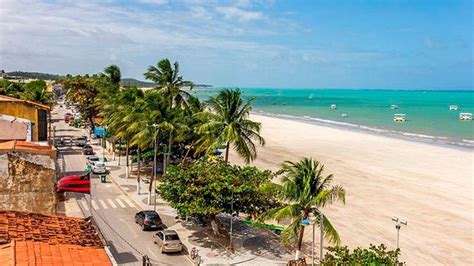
375,255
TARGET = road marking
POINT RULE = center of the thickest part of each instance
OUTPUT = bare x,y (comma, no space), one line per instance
85,205
120,203
129,202
94,205
111,203
104,206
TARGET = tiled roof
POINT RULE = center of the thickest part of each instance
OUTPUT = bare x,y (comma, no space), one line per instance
38,253
52,229
29,147
4,98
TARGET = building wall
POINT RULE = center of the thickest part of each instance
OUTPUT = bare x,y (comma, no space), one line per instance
21,110
27,183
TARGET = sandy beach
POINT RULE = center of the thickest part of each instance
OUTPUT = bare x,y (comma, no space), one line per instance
429,186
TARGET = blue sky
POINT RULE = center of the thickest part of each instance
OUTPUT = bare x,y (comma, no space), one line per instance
249,43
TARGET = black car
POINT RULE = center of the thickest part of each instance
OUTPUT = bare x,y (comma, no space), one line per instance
148,220
87,150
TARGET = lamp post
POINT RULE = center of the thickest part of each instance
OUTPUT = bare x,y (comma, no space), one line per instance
231,218
312,219
155,147
399,222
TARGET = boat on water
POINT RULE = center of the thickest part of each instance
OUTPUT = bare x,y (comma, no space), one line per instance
344,115
393,106
310,96
453,107
399,118
465,116
333,106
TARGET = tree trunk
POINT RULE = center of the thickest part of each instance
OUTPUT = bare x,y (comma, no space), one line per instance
120,152
127,171
227,152
153,175
138,173
168,154
187,152
214,225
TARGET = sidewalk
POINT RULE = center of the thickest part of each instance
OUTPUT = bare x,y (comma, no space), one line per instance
252,246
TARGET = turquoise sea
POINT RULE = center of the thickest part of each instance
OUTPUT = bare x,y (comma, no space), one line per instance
427,113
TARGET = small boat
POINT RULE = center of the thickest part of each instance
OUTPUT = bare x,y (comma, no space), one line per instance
465,116
333,106
393,106
453,107
310,96
399,118
344,115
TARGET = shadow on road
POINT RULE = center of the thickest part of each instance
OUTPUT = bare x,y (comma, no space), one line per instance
121,257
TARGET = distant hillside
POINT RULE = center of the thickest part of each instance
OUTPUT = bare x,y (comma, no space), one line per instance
34,75
136,82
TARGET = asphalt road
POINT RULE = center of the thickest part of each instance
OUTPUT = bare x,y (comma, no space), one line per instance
112,210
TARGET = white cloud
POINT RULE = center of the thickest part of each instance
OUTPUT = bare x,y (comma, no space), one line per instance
239,14
154,2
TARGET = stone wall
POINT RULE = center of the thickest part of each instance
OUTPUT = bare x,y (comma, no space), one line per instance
27,183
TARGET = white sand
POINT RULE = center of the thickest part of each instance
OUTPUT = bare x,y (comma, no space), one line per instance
429,186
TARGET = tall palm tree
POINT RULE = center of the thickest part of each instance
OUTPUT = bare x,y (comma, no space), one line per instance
305,190
113,74
228,123
37,91
169,82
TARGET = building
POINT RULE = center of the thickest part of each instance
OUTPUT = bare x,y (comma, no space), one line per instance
14,128
27,177
34,239
37,113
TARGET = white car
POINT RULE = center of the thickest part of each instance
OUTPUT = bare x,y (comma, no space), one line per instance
98,168
92,159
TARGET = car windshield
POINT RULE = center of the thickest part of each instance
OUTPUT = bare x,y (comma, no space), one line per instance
93,159
172,237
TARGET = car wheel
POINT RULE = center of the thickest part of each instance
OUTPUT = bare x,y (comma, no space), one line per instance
143,227
161,250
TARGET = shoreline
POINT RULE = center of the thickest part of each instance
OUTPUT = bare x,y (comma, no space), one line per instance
440,141
430,186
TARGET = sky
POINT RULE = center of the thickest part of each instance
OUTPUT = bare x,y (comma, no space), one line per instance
423,44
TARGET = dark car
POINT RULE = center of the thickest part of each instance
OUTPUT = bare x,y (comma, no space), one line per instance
75,183
87,150
148,220
81,141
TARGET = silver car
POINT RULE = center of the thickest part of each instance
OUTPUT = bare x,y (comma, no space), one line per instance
98,168
168,241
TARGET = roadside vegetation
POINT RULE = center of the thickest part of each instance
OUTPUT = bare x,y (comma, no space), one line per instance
35,90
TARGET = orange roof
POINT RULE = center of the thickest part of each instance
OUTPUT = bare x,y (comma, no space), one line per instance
51,229
4,98
28,147
37,253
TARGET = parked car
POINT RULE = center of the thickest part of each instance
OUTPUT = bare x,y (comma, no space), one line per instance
87,150
98,168
92,159
74,183
148,220
81,141
168,241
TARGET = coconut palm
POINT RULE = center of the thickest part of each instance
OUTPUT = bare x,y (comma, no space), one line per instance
305,190
113,74
228,123
170,84
37,91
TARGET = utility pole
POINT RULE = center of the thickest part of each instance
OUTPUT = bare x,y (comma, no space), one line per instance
321,225
231,218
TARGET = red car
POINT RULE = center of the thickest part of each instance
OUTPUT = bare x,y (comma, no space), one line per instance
75,183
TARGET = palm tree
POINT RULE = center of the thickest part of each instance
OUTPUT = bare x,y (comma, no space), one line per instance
113,74
36,91
228,123
169,82
305,190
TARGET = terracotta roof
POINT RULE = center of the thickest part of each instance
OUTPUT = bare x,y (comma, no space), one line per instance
51,229
4,98
28,147
37,253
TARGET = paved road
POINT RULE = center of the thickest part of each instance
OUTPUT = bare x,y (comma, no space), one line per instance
111,209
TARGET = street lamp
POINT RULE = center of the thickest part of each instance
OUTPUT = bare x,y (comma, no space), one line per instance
312,219
231,218
155,147
398,225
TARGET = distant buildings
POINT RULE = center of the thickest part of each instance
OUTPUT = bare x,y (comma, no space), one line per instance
37,113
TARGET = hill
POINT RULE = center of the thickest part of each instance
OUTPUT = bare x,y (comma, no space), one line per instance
34,75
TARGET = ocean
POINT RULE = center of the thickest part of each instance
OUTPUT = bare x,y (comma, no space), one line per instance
427,113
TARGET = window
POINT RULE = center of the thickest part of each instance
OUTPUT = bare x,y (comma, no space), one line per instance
159,235
172,237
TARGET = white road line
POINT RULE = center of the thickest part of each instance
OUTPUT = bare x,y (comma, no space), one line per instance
129,202
120,203
94,205
104,206
85,205
111,203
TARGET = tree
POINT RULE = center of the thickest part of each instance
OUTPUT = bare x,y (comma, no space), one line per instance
170,83
205,188
305,190
375,255
113,74
228,124
12,89
36,91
